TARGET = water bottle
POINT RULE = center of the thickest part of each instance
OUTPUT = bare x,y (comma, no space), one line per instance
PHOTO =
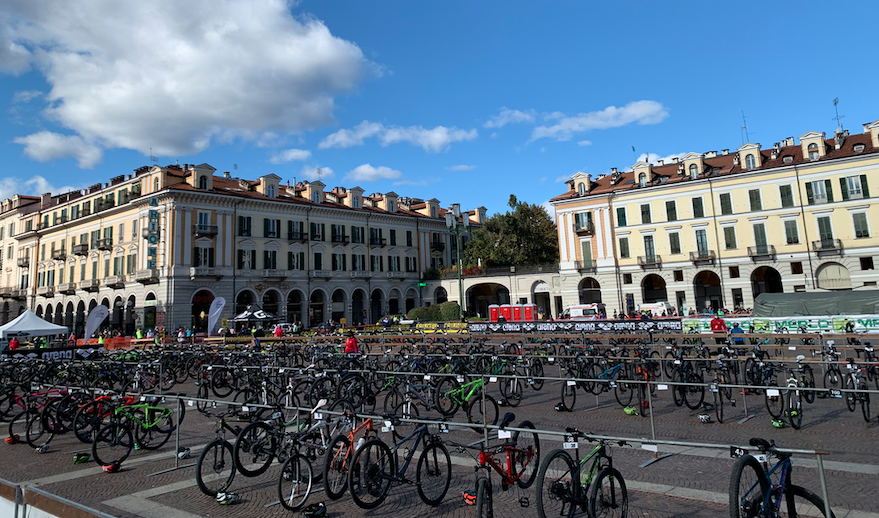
360,443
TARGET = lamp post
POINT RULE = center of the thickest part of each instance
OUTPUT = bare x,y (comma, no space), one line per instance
457,228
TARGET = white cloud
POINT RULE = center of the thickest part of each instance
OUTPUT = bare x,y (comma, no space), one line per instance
543,150
494,134
549,210
583,143
542,179
642,112
176,75
368,173
46,146
25,96
310,173
289,155
563,178
424,181
461,167
508,116
33,186
653,158
436,139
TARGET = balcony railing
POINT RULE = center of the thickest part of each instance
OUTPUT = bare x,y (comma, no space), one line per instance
24,262
585,266
396,275
5,292
82,249
702,256
360,274
67,288
649,261
90,285
205,230
340,239
297,236
827,246
148,276
437,246
761,252
378,241
59,255
115,281
320,274
105,244
274,273
201,272
19,294
46,291
585,229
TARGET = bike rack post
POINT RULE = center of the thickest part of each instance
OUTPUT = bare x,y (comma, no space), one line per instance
823,484
745,404
176,445
656,456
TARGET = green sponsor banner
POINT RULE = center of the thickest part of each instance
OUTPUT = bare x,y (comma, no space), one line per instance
816,324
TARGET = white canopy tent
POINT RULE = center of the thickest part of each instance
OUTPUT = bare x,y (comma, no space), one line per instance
29,324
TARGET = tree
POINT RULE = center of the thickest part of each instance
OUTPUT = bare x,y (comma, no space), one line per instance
524,236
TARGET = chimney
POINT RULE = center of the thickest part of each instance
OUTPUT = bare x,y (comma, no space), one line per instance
227,175
662,162
838,138
724,152
710,154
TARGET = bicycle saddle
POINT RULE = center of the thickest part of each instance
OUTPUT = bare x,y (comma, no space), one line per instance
509,417
800,357
759,443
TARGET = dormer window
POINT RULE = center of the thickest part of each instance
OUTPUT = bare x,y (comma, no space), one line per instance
750,162
270,191
433,212
581,188
694,171
858,148
202,182
390,206
642,180
156,184
787,159
355,202
315,197
813,151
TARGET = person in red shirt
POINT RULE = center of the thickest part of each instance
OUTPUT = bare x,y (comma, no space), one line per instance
350,343
718,327
13,344
278,332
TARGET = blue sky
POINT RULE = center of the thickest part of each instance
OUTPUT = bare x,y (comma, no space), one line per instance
466,102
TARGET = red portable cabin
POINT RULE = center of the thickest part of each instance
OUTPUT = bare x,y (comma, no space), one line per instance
529,312
507,312
517,312
493,312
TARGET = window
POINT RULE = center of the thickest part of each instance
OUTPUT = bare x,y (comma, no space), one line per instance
729,238
295,260
394,263
270,191
624,247
674,242
393,237
760,235
627,278
338,262
800,288
642,179
754,198
203,257
315,197
734,272
355,202
621,216
858,148
737,297
791,233
270,259
645,213
750,162
726,204
244,226
854,187
866,263
813,151
787,159
156,184
318,231
825,231
358,262
202,182
694,171
581,188
698,208
796,267
649,249
408,238
271,228
130,263
820,191
702,243
671,210
375,263
318,261
861,228
678,275
410,264
247,259
134,230
787,196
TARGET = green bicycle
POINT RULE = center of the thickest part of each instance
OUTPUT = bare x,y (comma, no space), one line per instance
139,426
451,395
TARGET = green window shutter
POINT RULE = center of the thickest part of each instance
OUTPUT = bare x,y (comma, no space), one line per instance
265,259
674,242
313,230
621,217
289,260
810,196
864,188
586,248
240,259
265,227
671,211
290,227
576,220
829,186
301,260
323,232
624,247
334,262
211,257
344,266
843,187
698,209
760,234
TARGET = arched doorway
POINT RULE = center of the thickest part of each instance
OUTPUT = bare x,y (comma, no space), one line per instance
590,291
68,317
440,295
375,306
243,301
149,311
540,296
271,302
358,311
480,296
410,300
653,289
48,316
766,279
201,307
116,314
833,276
39,311
394,302
294,306
79,323
130,316
709,294
338,305
316,309
59,314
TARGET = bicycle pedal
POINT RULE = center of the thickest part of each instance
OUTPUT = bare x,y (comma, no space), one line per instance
524,502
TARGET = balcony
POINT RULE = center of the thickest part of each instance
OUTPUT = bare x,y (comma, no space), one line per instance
340,239
649,261
82,249
59,255
585,229
377,241
115,281
360,274
200,272
297,236
761,252
90,285
24,262
205,230
20,294
86,211
5,292
396,275
274,273
104,244
149,276
340,274
320,274
437,246
295,273
67,288
585,266
46,291
827,246
702,257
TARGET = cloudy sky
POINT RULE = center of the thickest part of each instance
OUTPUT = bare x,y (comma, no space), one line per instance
467,102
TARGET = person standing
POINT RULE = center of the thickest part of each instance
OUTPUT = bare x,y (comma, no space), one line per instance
718,327
278,332
13,344
351,343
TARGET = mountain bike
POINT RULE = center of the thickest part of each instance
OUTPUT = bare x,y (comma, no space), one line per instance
152,427
215,469
340,453
755,491
857,389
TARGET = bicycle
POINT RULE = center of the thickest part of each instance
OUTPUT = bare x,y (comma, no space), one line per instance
452,395
215,469
753,493
374,468
340,452
857,388
153,426
563,482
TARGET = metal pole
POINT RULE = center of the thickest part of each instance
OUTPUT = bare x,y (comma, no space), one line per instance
823,485
460,284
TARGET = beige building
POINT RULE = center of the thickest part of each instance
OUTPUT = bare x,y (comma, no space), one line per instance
716,229
157,246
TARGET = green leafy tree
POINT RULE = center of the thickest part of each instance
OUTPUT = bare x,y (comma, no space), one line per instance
523,236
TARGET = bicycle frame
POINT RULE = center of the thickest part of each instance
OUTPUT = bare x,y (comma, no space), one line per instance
506,472
125,412
418,434
775,489
458,395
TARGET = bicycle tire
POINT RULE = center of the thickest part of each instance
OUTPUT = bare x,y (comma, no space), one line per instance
608,495
156,430
775,404
512,390
557,489
832,378
850,397
694,393
215,469
865,405
295,482
484,504
371,473
677,391
623,392
794,404
258,442
18,424
444,397
203,394
434,465
718,406
36,434
809,382
482,412
668,366
112,443
569,396
336,467
222,382
746,475
795,496
526,459
88,421
405,411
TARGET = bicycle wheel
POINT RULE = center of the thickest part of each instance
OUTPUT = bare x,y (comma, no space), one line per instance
482,412
832,378
434,474
526,459
155,431
536,374
88,421
775,403
608,495
809,382
865,405
405,411
557,486
392,400
295,482
113,443
802,502
36,432
255,448
623,392
336,467
850,397
747,486
370,474
215,469
677,391
222,382
794,404
18,424
668,366
694,392
718,405
569,395
202,394
511,390
484,505
444,399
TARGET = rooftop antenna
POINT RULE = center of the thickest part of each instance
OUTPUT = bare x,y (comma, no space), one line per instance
153,158
236,166
320,175
744,129
838,117
633,154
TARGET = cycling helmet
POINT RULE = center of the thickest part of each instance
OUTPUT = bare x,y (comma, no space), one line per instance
778,423
558,408
113,467
227,498
183,453
469,498
630,410
705,418
80,458
12,440
318,510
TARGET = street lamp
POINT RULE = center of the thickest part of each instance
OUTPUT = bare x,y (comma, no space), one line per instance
457,228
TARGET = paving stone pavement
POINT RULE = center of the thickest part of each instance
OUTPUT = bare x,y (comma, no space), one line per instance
691,483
